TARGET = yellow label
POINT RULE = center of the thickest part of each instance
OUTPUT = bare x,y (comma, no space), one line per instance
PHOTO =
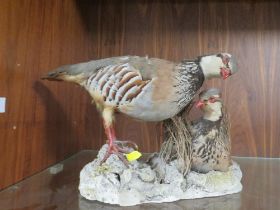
133,155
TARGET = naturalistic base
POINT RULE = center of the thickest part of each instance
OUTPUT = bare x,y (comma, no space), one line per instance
114,183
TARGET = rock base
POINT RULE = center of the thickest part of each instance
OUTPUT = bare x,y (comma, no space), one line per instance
114,183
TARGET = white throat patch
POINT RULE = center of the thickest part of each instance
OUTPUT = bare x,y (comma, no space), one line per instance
214,112
211,66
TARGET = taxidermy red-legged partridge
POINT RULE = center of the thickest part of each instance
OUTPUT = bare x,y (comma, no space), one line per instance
211,140
149,89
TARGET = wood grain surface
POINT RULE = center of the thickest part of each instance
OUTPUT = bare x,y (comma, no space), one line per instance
46,121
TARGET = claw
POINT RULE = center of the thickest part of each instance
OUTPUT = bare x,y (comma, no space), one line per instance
119,148
122,158
128,144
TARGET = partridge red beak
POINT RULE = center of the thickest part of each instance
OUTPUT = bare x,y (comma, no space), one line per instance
199,104
225,73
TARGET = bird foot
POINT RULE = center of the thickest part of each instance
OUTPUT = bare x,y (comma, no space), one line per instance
126,146
119,148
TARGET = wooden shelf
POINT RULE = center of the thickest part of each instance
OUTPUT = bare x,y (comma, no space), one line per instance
55,189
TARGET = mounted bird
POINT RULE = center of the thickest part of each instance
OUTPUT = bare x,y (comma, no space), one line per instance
148,89
211,140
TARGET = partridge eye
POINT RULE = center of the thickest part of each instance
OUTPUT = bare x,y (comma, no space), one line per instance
226,60
212,100
227,63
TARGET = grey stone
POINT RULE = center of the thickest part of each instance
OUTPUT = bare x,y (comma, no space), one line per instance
114,183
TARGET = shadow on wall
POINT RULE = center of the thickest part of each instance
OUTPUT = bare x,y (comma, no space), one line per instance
211,15
59,133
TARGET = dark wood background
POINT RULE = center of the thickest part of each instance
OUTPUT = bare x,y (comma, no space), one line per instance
46,122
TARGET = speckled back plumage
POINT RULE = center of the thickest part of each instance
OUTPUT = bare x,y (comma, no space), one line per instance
211,144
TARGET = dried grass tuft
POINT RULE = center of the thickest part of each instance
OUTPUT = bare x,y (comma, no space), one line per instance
177,142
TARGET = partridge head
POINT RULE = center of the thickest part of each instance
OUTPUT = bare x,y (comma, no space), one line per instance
222,64
211,104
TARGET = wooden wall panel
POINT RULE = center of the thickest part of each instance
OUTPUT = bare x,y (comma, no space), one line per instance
46,122
42,124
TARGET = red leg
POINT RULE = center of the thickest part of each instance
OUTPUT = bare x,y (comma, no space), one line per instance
112,147
110,132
